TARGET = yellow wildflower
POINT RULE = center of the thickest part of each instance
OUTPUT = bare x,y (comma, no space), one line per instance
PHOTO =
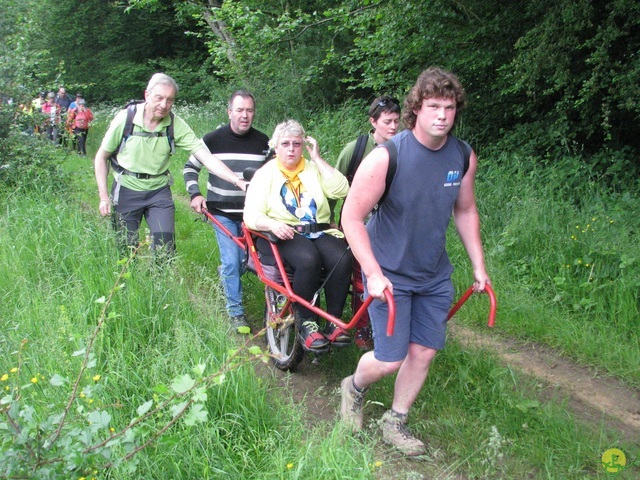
96,378
34,380
4,377
14,370
289,466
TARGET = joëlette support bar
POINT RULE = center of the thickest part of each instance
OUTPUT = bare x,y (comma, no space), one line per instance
492,304
246,241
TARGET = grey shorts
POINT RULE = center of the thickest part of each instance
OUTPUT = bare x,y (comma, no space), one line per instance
421,318
155,206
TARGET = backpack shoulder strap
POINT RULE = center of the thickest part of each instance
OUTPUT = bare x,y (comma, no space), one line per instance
128,124
391,169
466,151
170,136
356,156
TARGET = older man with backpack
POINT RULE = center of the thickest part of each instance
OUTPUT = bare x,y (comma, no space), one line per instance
138,146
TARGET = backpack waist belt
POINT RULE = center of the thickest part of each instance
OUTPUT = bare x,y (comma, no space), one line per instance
143,176
307,228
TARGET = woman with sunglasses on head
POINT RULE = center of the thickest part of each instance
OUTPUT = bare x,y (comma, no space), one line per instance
384,117
289,198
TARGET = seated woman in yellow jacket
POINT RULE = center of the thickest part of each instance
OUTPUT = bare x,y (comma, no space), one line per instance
288,196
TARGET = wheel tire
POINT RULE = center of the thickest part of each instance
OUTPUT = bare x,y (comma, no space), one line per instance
282,340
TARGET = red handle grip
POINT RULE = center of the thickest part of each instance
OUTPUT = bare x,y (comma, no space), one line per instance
492,304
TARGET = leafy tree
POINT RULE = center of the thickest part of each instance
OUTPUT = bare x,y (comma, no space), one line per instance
576,71
94,46
545,78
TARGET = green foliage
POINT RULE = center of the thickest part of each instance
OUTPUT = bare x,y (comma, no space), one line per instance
555,235
92,46
27,162
574,68
543,78
65,428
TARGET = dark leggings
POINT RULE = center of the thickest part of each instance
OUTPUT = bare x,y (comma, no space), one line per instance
80,139
306,258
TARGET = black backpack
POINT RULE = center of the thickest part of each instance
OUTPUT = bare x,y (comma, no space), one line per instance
356,156
131,108
393,163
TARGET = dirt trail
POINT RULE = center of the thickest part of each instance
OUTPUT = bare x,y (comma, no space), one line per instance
591,396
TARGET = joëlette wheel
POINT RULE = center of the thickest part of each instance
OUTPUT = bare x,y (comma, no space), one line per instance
286,351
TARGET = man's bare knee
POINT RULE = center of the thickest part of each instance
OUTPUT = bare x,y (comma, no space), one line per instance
420,353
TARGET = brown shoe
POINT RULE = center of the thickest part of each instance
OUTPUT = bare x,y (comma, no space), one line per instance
396,433
351,404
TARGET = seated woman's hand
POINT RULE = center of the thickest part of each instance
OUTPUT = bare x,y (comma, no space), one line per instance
281,230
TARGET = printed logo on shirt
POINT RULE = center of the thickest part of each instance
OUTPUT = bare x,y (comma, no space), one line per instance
453,178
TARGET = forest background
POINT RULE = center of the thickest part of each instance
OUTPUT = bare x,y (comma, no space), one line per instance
544,78
554,117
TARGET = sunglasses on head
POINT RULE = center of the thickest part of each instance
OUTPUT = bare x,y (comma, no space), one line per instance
386,101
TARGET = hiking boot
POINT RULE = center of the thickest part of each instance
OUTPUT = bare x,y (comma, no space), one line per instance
364,338
239,321
338,336
351,404
396,433
312,339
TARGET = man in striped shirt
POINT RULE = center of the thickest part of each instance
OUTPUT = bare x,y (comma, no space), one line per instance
239,146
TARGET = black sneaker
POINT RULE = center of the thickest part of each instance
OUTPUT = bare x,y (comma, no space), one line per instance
311,338
337,335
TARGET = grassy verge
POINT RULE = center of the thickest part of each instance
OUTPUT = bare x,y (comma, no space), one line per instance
564,262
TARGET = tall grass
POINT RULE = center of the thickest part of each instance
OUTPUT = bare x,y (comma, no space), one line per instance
564,259
483,419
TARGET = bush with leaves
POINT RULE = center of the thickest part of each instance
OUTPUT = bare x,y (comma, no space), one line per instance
27,162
